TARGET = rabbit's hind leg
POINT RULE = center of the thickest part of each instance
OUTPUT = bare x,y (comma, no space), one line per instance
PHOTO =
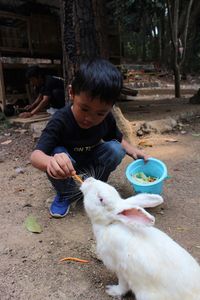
118,290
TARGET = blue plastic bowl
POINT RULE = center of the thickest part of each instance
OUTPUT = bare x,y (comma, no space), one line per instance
153,167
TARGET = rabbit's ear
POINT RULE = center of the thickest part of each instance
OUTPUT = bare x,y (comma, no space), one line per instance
136,215
145,200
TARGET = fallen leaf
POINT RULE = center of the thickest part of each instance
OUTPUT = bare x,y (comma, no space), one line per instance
32,225
6,142
196,134
145,144
180,228
171,140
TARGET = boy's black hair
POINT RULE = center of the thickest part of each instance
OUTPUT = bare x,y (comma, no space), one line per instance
33,71
99,79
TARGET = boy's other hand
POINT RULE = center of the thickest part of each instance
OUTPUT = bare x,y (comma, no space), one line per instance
137,153
134,152
60,166
25,114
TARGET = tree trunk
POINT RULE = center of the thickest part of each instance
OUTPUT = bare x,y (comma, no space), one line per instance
81,41
144,39
162,37
176,41
174,10
86,34
101,24
71,60
79,33
177,81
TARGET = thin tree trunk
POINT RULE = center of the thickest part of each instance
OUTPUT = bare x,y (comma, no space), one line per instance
177,81
144,40
174,37
186,31
176,42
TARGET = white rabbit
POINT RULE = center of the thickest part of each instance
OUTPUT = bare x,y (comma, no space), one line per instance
146,260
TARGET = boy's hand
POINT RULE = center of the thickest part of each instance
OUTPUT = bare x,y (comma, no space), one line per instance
25,114
137,153
60,166
133,151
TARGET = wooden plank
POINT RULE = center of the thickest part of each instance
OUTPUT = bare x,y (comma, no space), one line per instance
2,88
11,15
13,49
36,118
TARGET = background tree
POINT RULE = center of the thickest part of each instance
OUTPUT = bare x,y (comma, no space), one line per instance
85,36
162,32
192,61
81,40
150,31
178,39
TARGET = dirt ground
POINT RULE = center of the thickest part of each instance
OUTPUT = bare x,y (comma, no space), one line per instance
30,267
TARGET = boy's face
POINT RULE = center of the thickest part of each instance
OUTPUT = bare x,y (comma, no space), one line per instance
88,112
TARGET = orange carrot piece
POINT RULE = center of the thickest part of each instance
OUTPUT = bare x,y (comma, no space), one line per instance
74,259
77,178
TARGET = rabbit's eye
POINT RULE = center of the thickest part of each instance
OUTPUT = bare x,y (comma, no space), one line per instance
100,198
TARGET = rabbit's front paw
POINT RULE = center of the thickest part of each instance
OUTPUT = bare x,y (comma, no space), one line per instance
114,290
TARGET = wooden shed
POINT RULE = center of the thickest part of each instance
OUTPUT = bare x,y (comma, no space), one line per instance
30,37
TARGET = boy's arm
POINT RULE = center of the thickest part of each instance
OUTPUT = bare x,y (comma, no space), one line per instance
37,106
35,103
40,160
133,151
40,105
58,166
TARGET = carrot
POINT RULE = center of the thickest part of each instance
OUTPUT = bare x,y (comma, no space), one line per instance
77,178
74,259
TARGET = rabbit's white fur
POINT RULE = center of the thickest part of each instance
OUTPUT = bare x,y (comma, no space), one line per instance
146,260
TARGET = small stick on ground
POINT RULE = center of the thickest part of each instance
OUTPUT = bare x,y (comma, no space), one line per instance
74,259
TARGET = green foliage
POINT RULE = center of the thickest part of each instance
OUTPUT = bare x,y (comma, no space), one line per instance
4,123
145,30
139,22
130,12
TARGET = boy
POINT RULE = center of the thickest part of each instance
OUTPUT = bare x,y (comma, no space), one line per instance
50,90
84,134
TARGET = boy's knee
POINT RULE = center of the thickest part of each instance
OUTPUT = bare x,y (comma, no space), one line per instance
114,153
116,150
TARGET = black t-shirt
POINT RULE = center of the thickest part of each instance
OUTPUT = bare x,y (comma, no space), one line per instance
53,87
63,130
